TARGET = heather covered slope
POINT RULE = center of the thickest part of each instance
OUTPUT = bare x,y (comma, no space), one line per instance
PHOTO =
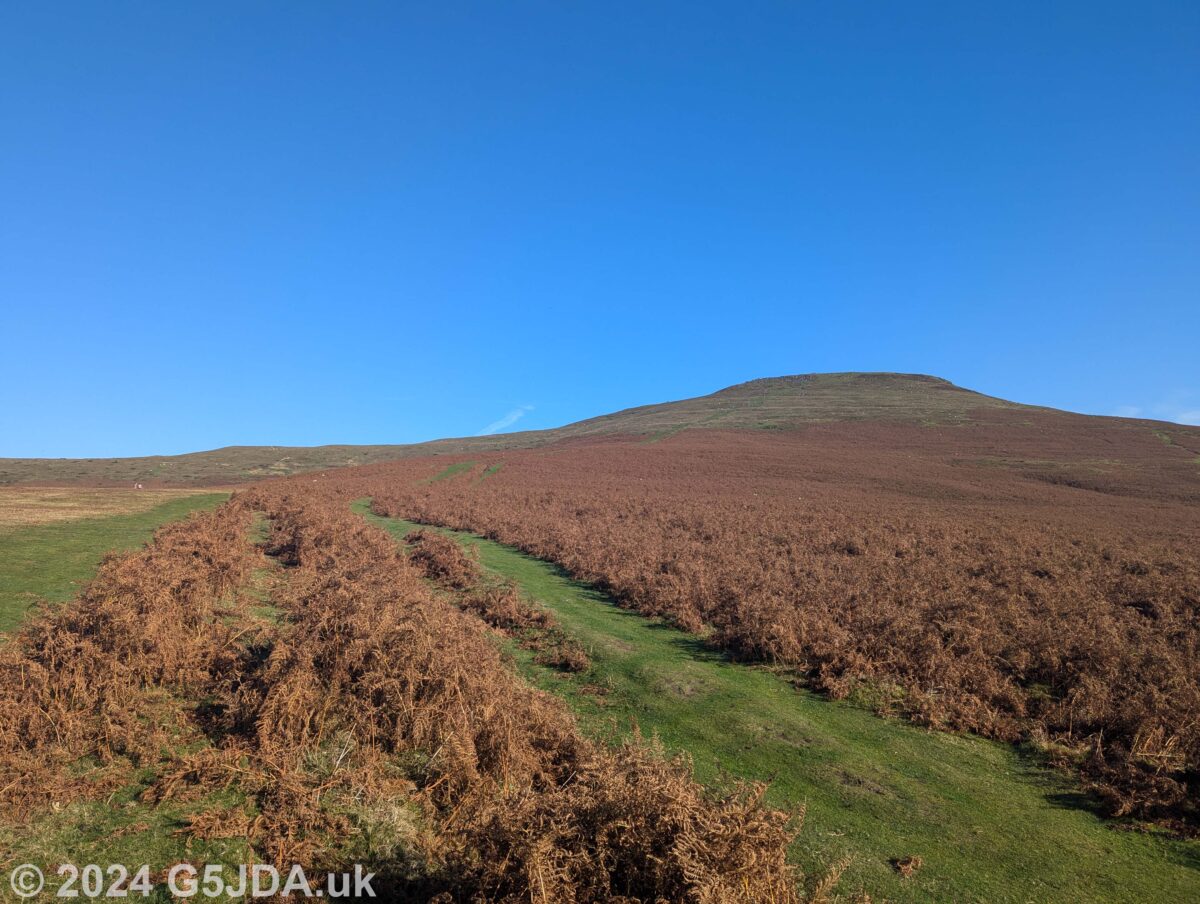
781,402
778,403
1027,584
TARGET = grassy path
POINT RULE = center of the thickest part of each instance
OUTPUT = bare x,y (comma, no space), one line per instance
50,561
988,824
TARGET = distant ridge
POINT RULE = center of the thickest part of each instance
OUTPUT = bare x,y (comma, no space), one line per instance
769,403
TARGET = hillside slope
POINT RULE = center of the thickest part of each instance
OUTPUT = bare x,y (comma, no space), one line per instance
776,403
1031,577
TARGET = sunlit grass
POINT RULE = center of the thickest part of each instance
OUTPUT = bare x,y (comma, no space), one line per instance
51,561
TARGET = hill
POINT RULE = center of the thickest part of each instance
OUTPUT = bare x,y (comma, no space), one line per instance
893,543
1024,574
777,403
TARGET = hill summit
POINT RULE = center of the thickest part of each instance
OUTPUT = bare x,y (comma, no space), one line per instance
780,402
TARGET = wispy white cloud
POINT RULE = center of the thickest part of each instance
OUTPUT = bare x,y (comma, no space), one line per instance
507,421
1179,407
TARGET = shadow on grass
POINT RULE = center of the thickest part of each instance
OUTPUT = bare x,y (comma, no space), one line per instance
1063,792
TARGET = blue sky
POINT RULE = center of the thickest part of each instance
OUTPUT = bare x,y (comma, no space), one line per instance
301,223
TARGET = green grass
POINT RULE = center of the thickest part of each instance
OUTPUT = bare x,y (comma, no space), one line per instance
50,561
119,829
989,824
456,468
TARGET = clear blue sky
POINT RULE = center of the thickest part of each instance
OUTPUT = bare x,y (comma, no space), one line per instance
301,223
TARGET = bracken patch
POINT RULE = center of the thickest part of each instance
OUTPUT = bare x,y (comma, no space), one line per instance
859,555
372,701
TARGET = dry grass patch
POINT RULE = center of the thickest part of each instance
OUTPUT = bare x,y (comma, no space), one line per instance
27,506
